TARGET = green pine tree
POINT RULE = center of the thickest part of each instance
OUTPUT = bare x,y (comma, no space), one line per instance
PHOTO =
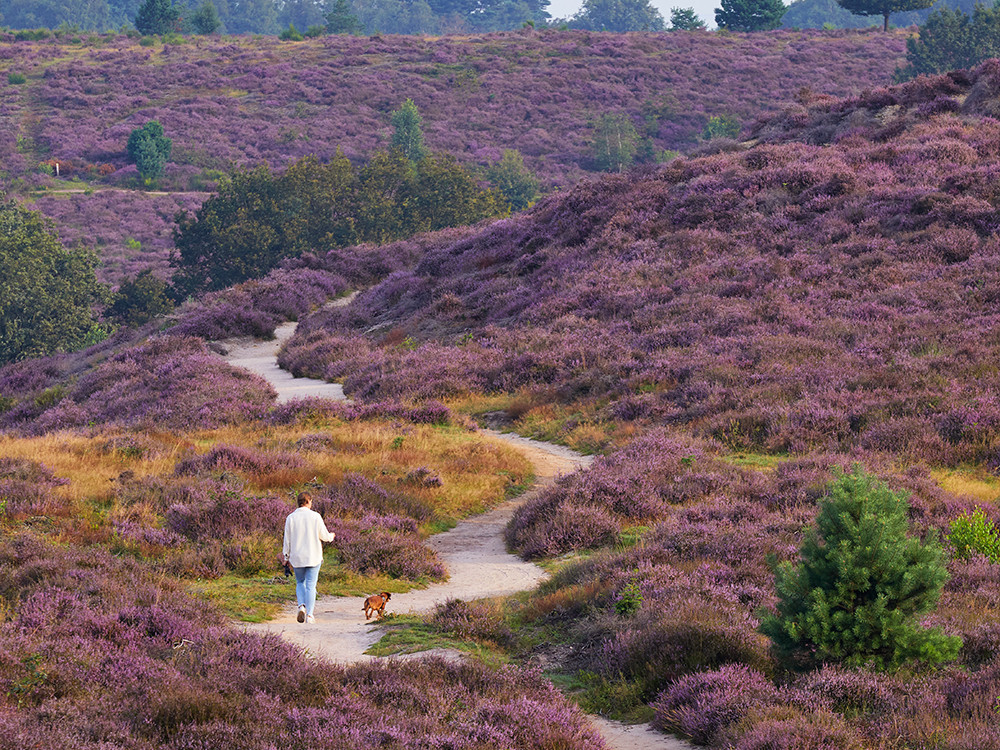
861,586
883,8
205,19
149,149
341,19
157,17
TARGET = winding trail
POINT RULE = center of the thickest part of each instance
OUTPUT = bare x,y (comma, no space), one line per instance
478,563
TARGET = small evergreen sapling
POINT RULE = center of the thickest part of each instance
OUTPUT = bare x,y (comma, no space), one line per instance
149,149
861,585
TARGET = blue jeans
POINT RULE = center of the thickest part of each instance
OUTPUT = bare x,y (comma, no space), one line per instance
305,587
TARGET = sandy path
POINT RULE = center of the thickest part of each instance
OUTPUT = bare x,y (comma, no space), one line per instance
479,566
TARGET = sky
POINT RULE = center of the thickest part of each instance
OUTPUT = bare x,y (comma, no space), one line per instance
705,9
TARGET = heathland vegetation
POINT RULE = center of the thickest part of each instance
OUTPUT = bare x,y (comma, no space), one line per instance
239,103
780,343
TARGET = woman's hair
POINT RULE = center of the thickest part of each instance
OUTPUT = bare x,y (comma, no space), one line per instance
304,497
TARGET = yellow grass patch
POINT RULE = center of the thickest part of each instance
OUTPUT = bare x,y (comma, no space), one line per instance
968,481
475,470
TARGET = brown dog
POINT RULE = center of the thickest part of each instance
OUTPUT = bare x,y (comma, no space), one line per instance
376,603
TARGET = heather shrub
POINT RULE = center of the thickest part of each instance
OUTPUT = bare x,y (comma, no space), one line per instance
357,495
688,635
26,489
854,692
705,706
234,458
480,621
974,532
370,548
255,308
790,729
553,528
165,382
861,585
217,511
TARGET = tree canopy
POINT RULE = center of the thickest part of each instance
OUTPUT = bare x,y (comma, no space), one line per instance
618,15
47,293
951,39
257,218
883,8
157,17
408,135
685,19
750,15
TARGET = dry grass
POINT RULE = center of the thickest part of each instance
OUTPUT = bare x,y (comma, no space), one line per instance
970,481
87,464
475,470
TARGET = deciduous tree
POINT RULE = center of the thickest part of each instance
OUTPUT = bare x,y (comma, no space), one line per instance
618,15
149,149
408,135
685,19
47,293
616,142
514,180
157,17
883,8
205,20
750,15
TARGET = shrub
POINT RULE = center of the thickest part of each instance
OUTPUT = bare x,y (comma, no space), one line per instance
721,126
705,705
16,79
975,533
141,299
291,34
861,585
149,149
472,620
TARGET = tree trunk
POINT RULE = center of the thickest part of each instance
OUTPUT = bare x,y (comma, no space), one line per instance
885,26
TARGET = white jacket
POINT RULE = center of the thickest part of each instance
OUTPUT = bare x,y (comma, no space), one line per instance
304,530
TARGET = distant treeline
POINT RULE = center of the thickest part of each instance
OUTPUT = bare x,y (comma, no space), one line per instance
273,16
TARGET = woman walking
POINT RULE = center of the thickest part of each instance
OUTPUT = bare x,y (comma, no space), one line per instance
305,533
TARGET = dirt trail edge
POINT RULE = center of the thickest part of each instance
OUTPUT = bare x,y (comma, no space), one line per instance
474,553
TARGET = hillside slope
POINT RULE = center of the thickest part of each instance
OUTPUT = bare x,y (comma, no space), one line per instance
239,101
833,289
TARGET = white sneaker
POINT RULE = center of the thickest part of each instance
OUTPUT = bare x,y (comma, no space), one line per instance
302,613
310,619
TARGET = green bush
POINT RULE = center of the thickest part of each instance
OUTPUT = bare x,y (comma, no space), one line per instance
149,149
975,533
16,79
139,300
721,126
861,586
291,34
